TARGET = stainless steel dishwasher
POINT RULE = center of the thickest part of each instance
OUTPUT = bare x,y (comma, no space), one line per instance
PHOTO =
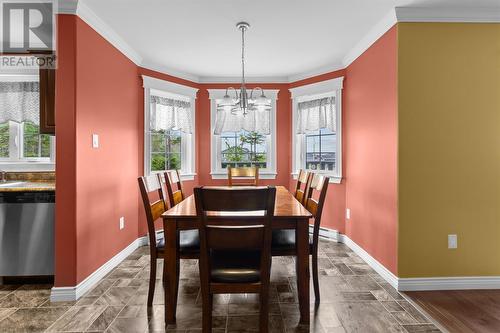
27,233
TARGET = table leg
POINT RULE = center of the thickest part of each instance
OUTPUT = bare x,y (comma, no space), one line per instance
170,270
302,237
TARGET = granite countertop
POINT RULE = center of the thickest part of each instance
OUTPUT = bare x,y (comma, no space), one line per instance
26,186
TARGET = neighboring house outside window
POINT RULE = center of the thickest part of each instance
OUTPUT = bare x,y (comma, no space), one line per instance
169,114
243,148
22,147
317,128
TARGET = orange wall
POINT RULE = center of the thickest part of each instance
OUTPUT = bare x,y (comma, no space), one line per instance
96,92
65,227
370,123
107,104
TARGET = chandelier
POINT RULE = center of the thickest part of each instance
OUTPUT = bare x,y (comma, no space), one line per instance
242,102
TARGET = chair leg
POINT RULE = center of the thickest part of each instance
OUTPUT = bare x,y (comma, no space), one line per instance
264,310
152,280
315,276
207,312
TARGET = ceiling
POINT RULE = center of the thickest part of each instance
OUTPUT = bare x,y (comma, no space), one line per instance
286,38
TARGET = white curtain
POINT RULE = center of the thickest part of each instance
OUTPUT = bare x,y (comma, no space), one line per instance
317,114
20,102
168,114
254,121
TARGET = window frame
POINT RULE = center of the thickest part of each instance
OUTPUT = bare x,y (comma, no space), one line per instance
310,92
216,170
16,161
188,140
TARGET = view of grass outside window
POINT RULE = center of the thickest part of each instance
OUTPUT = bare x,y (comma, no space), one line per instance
35,144
4,140
321,150
241,149
165,150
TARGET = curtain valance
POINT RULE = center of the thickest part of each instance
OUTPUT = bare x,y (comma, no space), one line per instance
317,114
254,121
20,102
168,114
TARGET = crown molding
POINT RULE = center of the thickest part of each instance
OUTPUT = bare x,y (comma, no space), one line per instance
315,72
378,30
450,14
237,79
94,21
170,71
67,7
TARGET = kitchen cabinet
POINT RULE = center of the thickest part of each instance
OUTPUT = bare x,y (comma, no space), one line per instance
47,101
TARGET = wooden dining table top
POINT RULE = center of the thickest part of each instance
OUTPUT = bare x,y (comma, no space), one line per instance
286,206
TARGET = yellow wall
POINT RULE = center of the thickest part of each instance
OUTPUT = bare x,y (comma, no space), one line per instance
449,149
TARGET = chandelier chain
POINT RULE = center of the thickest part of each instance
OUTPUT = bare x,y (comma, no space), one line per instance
243,54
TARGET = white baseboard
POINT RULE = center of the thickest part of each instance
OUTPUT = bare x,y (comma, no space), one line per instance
414,284
449,283
61,294
372,262
326,233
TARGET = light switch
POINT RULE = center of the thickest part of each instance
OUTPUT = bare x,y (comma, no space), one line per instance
452,241
95,141
348,213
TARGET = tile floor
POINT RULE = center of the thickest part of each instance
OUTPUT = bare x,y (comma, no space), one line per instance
353,299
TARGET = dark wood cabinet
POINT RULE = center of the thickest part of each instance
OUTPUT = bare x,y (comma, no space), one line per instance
47,101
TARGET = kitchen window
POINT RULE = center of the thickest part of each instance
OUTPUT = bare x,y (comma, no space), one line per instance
243,148
22,147
169,127
317,128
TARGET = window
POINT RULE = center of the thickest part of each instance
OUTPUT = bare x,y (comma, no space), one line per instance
317,128
169,127
165,150
320,150
22,146
243,148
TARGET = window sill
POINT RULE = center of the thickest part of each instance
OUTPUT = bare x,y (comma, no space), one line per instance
262,175
27,166
333,179
187,176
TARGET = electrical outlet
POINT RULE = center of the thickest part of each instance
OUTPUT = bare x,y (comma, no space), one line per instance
122,223
95,141
348,213
452,242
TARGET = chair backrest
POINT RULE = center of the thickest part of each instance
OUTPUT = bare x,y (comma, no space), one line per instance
303,179
173,185
147,185
251,173
317,183
235,219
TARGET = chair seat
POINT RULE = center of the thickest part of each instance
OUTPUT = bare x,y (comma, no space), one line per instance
235,266
189,242
284,239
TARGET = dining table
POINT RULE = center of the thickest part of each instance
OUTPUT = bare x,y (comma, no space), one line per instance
289,213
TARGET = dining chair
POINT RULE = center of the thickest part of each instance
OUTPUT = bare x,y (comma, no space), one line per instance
284,244
189,242
251,173
172,178
235,252
303,179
